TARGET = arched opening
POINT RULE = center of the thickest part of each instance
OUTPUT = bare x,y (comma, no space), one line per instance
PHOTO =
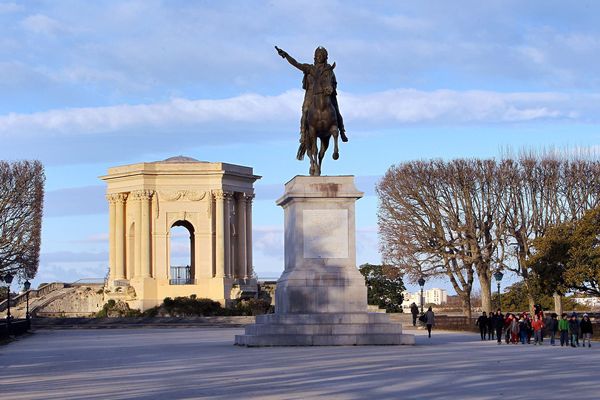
181,254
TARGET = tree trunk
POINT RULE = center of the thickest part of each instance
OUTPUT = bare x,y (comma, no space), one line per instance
466,302
530,298
557,303
531,301
486,292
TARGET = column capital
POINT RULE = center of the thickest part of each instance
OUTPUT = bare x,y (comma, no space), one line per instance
222,194
218,194
249,197
142,194
243,197
114,198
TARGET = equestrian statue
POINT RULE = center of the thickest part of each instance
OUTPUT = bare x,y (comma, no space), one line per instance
321,118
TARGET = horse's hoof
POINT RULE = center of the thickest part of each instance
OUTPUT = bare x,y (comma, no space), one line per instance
336,156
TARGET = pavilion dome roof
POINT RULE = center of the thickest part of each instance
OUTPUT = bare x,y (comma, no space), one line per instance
180,159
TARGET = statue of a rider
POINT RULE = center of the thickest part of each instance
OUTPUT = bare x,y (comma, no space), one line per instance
309,70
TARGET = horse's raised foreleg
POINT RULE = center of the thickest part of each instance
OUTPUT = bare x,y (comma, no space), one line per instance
334,132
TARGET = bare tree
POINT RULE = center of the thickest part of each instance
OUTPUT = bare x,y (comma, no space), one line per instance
545,189
442,218
21,203
468,217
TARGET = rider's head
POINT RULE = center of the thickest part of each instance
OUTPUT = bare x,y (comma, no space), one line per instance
320,55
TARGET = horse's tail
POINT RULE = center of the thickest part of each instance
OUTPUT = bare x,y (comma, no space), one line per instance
301,152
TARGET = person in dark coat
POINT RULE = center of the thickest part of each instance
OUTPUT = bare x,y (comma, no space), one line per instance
490,325
552,327
482,323
430,320
574,315
498,325
574,330
585,327
414,310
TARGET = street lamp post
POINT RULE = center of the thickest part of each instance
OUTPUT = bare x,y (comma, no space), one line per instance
8,278
421,282
26,286
498,276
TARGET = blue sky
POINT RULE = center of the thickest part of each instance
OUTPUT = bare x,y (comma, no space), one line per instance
89,85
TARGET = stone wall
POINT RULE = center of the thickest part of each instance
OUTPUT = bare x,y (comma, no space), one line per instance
80,301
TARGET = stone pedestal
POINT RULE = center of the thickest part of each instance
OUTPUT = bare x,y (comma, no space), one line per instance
321,297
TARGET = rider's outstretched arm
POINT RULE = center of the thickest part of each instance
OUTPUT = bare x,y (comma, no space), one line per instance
292,60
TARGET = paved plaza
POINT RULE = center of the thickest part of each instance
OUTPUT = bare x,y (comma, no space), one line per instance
194,363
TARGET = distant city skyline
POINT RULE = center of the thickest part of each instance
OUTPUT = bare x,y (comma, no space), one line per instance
103,84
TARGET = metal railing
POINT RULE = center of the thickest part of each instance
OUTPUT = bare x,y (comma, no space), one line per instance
88,281
181,275
16,327
33,293
182,281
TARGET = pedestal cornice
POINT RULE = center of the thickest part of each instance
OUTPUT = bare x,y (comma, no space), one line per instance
320,187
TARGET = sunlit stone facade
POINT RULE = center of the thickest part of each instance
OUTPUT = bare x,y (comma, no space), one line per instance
213,201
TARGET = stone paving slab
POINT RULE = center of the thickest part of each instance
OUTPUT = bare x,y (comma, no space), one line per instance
203,363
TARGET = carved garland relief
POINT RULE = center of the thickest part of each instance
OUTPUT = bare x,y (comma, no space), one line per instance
189,195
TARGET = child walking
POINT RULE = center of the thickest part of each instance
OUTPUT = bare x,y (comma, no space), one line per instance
586,330
537,326
563,328
574,330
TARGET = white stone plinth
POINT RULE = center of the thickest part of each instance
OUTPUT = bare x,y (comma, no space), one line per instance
321,297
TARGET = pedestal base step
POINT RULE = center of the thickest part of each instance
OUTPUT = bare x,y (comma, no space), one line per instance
324,340
333,329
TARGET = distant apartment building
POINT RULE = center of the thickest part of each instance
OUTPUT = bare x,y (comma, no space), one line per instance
592,302
409,298
430,296
435,296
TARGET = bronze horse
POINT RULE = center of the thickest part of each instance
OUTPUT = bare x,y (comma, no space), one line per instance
321,119
320,113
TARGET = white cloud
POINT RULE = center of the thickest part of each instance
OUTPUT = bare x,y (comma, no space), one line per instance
96,238
72,256
70,271
8,8
268,241
404,23
42,24
76,121
392,107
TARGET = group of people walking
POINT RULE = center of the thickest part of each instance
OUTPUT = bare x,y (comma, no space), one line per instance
524,327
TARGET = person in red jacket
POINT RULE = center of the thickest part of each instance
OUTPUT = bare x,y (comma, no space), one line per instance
537,326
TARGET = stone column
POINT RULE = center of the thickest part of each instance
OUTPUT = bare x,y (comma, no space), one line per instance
130,252
219,233
227,233
146,235
249,199
119,240
137,256
111,198
241,269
